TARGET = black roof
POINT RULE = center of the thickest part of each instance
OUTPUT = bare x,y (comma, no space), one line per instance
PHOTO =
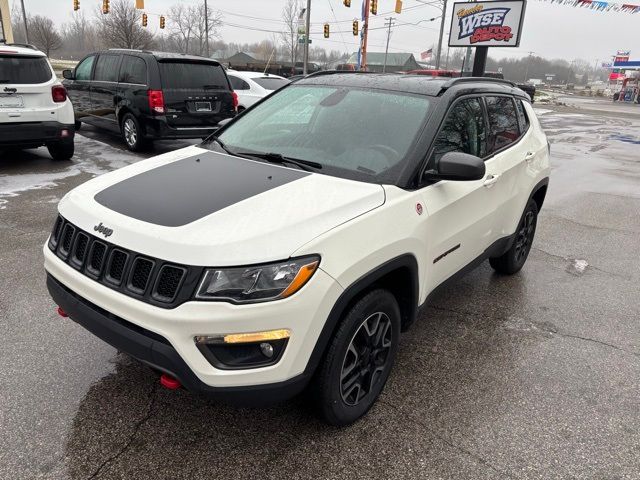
417,84
166,55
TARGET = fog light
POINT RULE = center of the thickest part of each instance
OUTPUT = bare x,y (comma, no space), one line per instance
266,349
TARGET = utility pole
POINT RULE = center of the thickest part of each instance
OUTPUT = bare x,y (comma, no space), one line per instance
386,52
24,19
206,28
307,31
526,71
442,21
365,35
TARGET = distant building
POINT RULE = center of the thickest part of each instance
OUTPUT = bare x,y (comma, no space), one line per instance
396,62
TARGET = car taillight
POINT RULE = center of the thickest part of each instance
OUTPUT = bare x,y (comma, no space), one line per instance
156,101
59,93
235,101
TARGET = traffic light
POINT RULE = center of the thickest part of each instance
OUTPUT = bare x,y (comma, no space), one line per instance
161,21
374,7
355,28
76,5
398,6
326,30
347,3
105,6
144,19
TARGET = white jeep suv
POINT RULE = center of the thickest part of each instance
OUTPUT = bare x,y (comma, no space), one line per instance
293,246
34,107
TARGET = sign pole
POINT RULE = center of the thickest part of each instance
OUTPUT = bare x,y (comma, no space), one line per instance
305,64
442,20
480,61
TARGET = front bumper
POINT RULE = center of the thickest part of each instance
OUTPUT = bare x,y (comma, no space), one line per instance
156,351
167,335
22,134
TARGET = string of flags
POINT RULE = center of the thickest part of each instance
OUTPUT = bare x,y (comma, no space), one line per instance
599,5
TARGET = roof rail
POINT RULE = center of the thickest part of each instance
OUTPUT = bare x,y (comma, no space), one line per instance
455,81
23,45
320,73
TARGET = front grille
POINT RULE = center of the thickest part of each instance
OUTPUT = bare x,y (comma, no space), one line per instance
168,282
80,249
148,279
140,274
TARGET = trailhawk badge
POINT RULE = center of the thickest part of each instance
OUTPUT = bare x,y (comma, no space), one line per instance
103,230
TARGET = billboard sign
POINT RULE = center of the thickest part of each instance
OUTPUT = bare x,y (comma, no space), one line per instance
487,24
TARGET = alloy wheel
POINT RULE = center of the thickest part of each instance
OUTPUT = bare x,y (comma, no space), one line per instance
366,358
525,236
130,132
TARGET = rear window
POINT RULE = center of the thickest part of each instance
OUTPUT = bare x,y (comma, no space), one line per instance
271,83
22,69
133,70
195,76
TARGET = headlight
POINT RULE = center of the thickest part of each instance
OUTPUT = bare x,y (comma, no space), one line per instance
259,283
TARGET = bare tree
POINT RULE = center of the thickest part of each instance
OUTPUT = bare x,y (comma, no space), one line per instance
17,23
79,36
187,27
43,33
122,27
290,13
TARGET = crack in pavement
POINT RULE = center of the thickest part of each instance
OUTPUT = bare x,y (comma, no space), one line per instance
590,266
136,428
542,327
404,417
596,227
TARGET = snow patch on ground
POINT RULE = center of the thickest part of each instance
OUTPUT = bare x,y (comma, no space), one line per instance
92,157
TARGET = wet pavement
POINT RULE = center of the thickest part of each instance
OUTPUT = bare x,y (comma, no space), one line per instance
531,376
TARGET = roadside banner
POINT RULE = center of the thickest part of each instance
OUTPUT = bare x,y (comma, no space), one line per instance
487,24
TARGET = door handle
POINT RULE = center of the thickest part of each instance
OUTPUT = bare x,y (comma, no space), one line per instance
490,180
529,156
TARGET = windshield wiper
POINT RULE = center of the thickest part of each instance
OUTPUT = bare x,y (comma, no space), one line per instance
307,165
223,146
5,81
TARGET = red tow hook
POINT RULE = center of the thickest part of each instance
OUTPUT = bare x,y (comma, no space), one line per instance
62,313
169,382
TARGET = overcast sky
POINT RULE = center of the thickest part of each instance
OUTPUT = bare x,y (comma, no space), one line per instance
550,30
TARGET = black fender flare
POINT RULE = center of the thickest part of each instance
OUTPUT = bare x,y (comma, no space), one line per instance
354,291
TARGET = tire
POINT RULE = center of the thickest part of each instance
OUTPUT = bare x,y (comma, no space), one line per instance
367,339
132,134
62,150
514,258
78,125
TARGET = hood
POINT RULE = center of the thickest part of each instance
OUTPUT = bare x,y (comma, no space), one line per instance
198,207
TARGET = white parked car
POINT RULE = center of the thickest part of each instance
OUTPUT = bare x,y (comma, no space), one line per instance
34,107
253,86
295,245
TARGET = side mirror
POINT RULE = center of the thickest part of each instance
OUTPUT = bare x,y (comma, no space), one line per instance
457,166
68,74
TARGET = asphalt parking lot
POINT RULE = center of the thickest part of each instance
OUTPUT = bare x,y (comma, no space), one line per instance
531,376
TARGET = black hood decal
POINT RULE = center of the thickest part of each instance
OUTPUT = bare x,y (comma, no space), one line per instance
192,188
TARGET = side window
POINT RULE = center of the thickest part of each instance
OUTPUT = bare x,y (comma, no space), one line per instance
522,116
463,131
133,70
503,122
107,68
83,71
238,83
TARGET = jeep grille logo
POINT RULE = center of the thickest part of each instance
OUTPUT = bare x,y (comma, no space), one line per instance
103,230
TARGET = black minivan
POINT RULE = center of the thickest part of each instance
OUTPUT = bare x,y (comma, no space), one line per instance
149,96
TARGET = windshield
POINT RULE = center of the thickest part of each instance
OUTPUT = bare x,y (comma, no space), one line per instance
271,83
362,134
195,76
24,70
